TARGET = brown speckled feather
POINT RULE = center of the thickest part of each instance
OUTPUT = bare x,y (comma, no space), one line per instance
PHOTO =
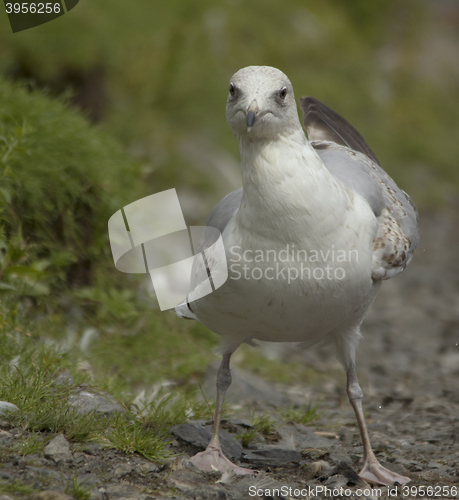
347,156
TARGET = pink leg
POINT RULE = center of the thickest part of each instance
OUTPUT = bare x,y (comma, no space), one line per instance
372,471
212,458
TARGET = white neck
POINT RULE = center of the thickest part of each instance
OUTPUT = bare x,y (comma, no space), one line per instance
287,189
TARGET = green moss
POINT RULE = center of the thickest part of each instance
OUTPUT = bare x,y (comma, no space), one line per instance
166,348
131,436
15,487
61,180
304,415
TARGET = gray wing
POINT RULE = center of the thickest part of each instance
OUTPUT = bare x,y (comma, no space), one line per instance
322,123
224,210
218,218
346,155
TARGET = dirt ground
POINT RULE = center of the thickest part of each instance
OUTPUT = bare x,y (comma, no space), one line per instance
408,366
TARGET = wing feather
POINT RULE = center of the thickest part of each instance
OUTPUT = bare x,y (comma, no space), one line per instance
347,156
322,123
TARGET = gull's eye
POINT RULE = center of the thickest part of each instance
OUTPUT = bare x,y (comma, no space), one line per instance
283,93
232,89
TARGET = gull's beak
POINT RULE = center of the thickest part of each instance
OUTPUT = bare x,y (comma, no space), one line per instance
252,111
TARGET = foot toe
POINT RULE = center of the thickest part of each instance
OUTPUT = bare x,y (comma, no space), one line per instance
375,473
213,459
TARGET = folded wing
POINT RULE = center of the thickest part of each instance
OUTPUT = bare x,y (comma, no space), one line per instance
346,155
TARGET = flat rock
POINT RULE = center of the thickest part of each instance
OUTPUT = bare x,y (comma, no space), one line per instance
245,388
186,480
91,448
273,456
86,402
199,436
58,450
122,470
243,422
6,407
65,378
345,470
88,480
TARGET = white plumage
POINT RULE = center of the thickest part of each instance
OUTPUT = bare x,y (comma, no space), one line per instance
308,239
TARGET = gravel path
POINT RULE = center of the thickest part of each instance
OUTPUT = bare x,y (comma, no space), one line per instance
408,364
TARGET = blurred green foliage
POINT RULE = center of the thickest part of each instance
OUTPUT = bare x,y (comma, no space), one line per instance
157,73
60,182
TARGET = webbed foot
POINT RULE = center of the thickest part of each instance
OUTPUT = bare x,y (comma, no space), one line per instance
213,459
373,472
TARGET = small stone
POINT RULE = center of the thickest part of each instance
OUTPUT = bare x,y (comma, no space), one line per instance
79,458
345,470
5,438
6,407
43,471
186,480
199,436
122,470
336,481
98,494
65,378
243,422
91,448
88,480
188,464
86,402
58,450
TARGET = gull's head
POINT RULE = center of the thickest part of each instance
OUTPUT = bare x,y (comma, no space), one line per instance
261,104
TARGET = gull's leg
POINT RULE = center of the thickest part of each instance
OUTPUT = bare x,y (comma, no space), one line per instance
213,458
372,471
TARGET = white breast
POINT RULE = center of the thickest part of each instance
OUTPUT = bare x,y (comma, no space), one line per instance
299,254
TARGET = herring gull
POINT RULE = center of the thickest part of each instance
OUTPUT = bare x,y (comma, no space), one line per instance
323,195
